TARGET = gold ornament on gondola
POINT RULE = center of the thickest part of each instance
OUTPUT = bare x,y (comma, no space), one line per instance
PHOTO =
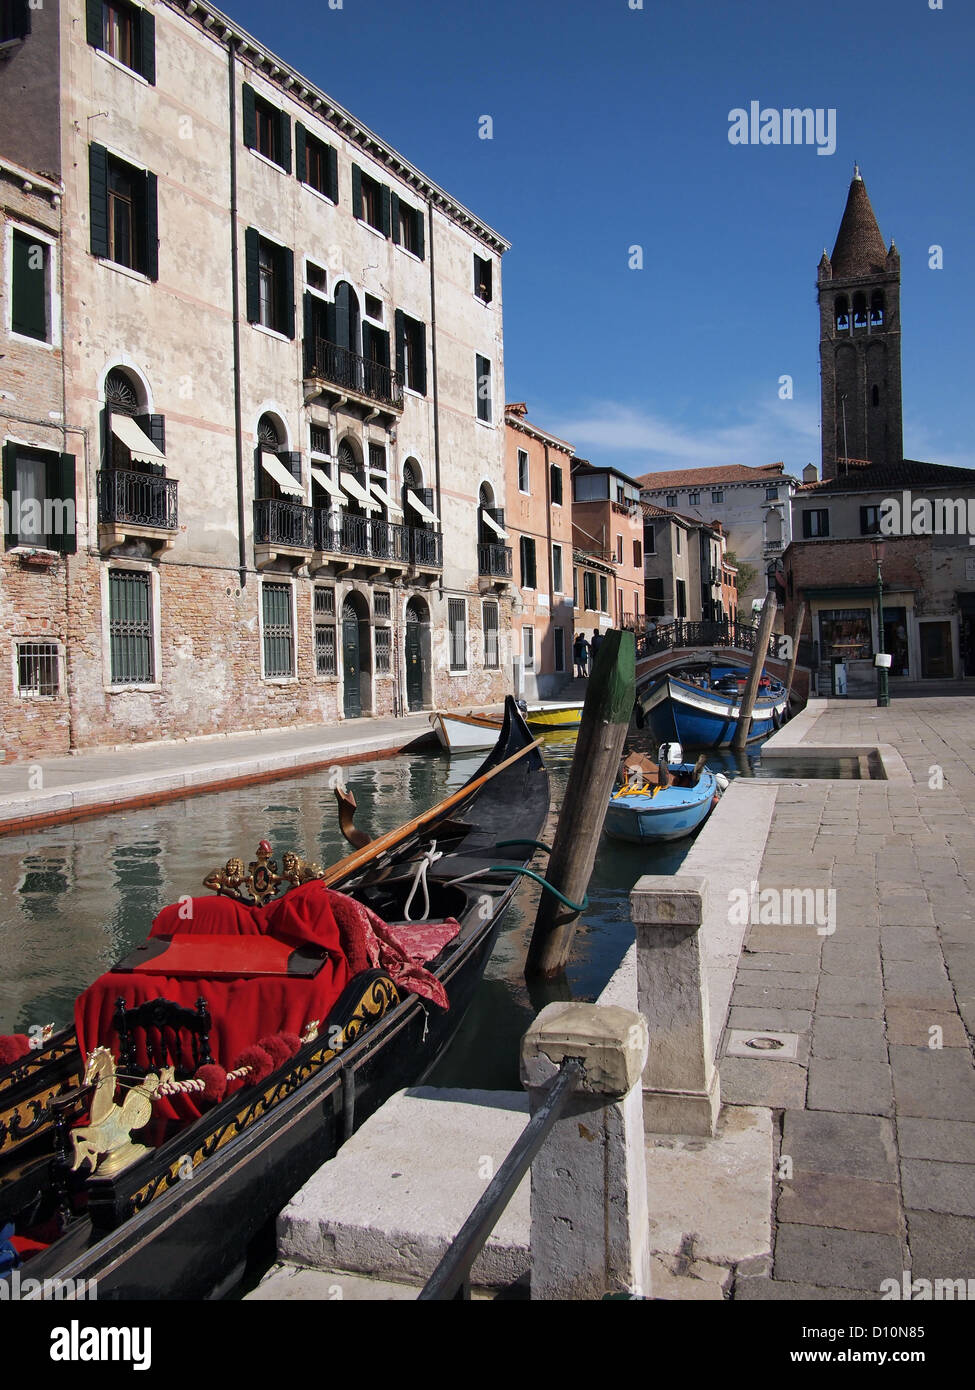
297,870
261,880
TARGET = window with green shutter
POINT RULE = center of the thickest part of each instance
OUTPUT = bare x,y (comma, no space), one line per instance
30,287
123,209
267,129
39,499
483,386
130,627
269,272
528,572
278,631
603,594
316,163
589,590
125,32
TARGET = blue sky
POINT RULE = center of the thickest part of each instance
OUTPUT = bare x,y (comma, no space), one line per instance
611,131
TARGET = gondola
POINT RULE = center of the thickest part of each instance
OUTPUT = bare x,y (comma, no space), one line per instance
167,1207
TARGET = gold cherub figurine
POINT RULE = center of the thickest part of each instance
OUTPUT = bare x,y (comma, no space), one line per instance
227,880
297,870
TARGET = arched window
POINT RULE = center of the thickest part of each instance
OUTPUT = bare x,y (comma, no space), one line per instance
877,310
411,475
270,440
125,395
859,310
842,314
350,462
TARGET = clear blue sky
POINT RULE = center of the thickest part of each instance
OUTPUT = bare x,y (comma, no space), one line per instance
611,130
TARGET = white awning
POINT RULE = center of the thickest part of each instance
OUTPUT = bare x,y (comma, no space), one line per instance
379,491
490,521
135,439
323,480
356,490
275,469
419,507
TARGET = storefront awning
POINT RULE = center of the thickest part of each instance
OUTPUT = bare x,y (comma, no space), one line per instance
356,490
135,439
490,521
275,469
419,507
383,496
323,480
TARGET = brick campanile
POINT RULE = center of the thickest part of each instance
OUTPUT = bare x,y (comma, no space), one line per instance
860,341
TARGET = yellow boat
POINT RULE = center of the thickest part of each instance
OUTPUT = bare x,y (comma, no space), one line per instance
554,715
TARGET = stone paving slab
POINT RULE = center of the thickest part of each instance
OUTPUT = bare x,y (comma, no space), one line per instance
952,1141
850,1204
933,1186
850,1084
941,1245
830,1256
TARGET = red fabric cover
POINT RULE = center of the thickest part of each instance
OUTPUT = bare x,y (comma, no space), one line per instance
369,942
13,1046
216,956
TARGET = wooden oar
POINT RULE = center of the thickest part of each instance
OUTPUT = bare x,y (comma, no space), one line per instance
361,857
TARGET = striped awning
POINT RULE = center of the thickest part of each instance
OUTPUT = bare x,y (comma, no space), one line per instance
419,506
323,480
383,496
135,439
275,469
355,489
490,521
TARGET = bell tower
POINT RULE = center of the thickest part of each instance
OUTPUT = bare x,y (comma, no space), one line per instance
860,342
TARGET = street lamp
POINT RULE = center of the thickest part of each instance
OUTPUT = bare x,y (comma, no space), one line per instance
882,659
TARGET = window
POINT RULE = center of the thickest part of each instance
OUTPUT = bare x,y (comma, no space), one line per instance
523,474
528,647
267,129
39,499
815,524
130,627
407,226
316,277
671,499
717,494
603,594
411,352
38,669
14,20
325,631
457,632
380,603
649,540
637,555
845,633
681,588
383,651
559,635
619,550
320,439
555,477
374,308
483,387
589,599
869,521
771,494
278,631
620,494
370,201
482,279
316,163
694,499
123,213
528,573
270,284
124,32
30,288
655,598
489,617
556,569
677,537
575,587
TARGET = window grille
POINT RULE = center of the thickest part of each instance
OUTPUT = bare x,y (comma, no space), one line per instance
457,627
130,627
325,650
38,669
278,630
320,440
381,604
490,620
324,602
383,651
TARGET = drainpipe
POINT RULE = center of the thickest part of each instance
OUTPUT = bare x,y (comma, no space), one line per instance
436,392
235,302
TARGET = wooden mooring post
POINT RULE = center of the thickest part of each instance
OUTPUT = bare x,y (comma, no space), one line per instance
599,747
794,654
754,676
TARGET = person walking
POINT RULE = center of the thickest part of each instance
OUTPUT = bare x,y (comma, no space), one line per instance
580,654
595,644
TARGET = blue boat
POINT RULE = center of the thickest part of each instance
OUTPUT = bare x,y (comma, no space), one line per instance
653,813
703,711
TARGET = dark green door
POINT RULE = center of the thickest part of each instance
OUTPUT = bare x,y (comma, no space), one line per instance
414,662
350,662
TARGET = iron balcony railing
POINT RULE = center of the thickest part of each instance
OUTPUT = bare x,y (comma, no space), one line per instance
337,365
277,522
684,633
141,499
375,538
494,560
425,548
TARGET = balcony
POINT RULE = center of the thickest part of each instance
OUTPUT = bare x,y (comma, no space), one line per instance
136,506
493,565
374,542
282,531
347,376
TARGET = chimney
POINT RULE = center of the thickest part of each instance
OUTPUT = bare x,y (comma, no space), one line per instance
810,474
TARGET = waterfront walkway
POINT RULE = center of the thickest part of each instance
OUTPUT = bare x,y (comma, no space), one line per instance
106,779
876,1161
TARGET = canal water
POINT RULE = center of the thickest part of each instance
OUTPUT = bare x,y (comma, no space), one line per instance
77,897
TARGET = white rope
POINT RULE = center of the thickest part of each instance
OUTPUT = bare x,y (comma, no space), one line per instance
420,878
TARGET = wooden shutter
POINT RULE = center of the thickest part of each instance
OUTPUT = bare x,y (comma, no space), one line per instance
9,474
331,325
400,327
151,227
308,337
93,20
286,261
421,385
284,142
98,198
356,191
301,162
394,216
155,427
252,254
250,117
367,332
420,243
61,484
147,45
332,174
379,340
28,289
384,215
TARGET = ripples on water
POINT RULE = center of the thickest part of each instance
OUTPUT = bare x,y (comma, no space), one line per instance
75,898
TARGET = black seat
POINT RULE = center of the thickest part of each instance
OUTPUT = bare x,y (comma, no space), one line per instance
165,1028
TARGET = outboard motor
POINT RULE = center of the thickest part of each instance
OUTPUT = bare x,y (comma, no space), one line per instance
671,753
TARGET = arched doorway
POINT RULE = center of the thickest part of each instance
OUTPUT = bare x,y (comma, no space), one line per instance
416,651
356,679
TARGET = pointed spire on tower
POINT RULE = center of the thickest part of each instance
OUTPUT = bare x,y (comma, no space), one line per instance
859,249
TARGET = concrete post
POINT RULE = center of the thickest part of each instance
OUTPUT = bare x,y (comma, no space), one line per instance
590,1231
681,1093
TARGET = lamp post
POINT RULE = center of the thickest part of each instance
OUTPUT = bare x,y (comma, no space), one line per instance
882,660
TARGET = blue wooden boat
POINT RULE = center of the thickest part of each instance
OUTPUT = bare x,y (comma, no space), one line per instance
653,813
703,711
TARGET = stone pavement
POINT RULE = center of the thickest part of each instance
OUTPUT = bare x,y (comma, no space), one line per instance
876,1158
